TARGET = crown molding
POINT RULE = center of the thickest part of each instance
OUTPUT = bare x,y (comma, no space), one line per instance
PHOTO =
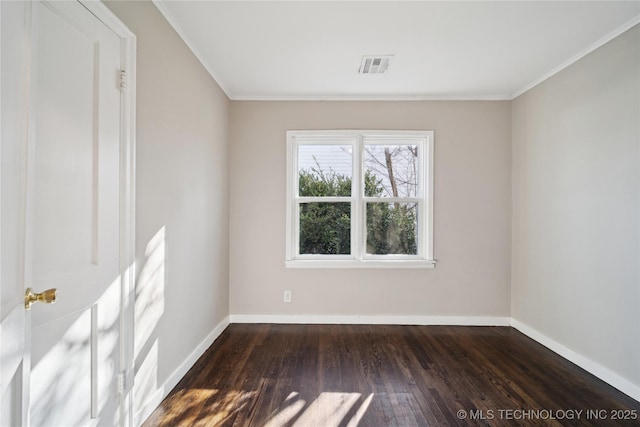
160,5
592,47
491,97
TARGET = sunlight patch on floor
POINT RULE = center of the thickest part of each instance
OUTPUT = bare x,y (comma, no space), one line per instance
207,407
187,406
293,406
329,409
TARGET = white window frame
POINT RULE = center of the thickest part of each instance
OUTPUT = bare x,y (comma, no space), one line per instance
358,257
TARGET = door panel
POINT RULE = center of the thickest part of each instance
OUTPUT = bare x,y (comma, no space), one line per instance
66,142
61,378
73,227
75,170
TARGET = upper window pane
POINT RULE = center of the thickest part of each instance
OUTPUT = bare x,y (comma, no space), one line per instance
324,170
391,170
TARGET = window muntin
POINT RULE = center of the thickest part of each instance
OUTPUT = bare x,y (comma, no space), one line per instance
359,198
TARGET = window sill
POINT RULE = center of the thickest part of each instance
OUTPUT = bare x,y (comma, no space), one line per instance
365,264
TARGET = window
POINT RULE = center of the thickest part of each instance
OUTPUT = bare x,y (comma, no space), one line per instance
359,199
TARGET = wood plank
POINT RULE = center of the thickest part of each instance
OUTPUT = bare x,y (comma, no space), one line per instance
377,375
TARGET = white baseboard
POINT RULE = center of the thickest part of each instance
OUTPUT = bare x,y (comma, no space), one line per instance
585,363
371,320
163,390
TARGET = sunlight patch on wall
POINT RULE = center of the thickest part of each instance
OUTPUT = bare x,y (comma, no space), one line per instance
149,307
146,381
149,299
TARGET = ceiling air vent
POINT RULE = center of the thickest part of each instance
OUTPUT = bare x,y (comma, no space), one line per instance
377,64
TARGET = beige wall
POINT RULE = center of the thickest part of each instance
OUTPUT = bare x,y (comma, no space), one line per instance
472,213
576,195
182,188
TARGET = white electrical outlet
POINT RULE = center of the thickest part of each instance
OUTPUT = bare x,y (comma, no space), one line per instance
287,296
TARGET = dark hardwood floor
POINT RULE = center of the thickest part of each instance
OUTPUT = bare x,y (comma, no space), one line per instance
348,375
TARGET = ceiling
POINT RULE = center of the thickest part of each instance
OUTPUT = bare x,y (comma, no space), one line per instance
443,49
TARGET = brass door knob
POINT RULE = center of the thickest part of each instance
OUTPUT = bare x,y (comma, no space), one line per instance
47,297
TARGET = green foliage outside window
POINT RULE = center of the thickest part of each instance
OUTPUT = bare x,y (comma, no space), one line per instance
325,228
391,228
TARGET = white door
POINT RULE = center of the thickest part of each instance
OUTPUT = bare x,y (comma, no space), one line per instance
73,349
14,53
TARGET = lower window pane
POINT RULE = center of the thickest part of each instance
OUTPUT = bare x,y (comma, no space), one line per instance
325,228
392,228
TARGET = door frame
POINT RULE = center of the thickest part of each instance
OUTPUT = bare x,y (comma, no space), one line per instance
127,266
127,160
